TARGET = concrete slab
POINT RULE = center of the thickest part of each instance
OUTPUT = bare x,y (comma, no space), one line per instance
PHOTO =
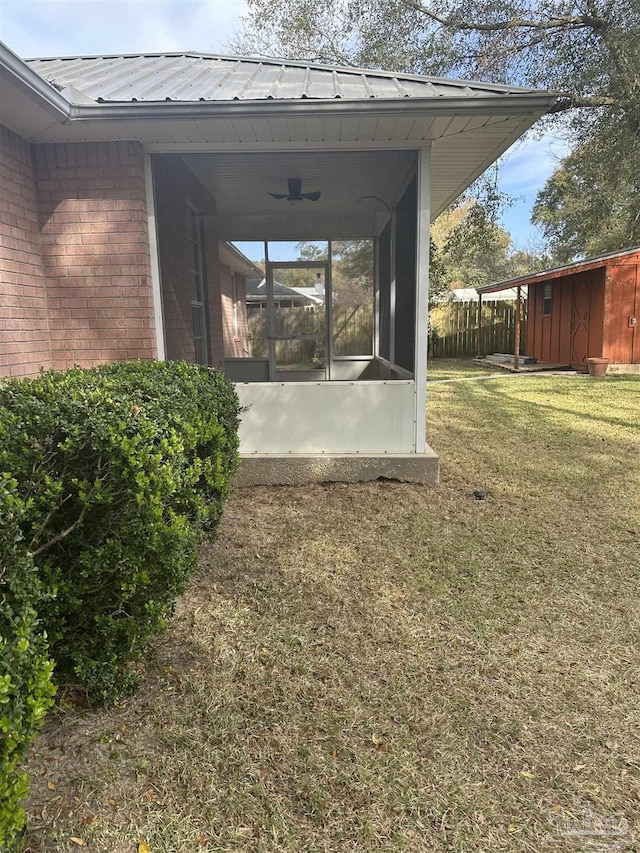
296,469
624,368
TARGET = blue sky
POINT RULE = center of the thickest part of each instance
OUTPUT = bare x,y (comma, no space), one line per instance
68,27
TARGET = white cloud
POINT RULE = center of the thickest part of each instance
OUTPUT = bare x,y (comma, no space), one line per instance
530,162
68,27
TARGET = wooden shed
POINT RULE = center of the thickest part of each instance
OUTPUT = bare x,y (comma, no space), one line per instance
588,309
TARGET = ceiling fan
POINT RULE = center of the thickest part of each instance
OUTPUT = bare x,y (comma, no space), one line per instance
295,192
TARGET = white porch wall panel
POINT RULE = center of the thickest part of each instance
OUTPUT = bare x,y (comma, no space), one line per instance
327,417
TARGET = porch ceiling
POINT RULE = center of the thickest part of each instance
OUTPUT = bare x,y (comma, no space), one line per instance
241,184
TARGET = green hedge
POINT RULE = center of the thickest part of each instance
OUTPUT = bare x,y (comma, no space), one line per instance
119,467
26,690
113,473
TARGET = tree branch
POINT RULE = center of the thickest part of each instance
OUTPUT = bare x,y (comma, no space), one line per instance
62,535
561,22
571,102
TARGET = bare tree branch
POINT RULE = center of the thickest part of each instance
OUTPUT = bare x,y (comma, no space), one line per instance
561,22
62,535
571,102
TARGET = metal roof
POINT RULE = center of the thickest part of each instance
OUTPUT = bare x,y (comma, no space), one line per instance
206,77
557,272
256,291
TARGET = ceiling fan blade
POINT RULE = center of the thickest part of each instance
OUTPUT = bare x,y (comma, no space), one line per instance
278,195
312,196
295,187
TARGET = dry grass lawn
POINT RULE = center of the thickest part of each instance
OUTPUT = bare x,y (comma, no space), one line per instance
385,667
458,368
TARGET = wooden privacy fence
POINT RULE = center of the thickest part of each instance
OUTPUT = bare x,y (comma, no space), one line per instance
453,328
352,332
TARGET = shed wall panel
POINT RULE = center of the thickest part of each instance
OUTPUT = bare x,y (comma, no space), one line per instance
532,319
537,331
564,329
556,320
596,312
621,302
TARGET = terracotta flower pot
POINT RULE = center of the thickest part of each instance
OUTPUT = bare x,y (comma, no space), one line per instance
597,366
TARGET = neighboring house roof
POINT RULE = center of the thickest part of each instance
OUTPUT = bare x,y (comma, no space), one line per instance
470,294
211,77
232,257
317,298
622,255
257,292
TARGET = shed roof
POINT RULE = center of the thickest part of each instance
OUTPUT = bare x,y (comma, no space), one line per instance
210,77
568,269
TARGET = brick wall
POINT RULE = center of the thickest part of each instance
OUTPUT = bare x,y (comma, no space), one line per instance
175,184
235,346
24,331
95,251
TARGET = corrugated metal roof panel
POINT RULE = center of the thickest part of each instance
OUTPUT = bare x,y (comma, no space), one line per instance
201,77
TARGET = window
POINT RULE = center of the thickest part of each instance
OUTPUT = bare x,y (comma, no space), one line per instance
546,300
195,240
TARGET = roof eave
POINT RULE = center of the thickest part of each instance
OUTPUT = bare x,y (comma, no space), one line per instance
31,83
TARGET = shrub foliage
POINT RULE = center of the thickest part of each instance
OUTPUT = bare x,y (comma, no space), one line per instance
113,474
26,690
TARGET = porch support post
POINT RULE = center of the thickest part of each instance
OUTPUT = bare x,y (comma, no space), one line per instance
516,352
376,296
392,289
422,295
479,325
155,259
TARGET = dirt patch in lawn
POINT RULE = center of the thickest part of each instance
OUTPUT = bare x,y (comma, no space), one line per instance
386,667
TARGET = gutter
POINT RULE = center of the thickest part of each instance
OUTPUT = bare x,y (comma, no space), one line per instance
33,83
506,105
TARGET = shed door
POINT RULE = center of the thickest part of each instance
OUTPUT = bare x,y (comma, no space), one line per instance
580,322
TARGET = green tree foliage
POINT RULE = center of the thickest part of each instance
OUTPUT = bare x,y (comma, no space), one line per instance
586,50
351,269
591,204
472,251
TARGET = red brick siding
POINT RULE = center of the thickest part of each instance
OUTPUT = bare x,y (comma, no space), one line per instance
175,184
24,331
95,251
234,347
